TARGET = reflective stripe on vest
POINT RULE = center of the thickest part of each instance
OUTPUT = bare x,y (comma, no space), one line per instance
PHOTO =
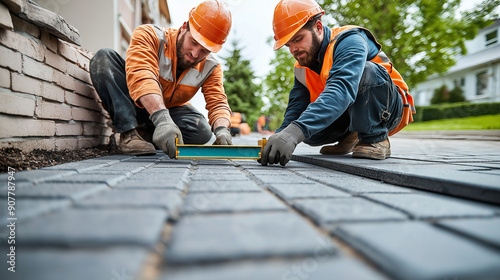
193,77
316,83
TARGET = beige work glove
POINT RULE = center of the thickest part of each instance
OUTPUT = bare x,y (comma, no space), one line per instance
223,136
165,132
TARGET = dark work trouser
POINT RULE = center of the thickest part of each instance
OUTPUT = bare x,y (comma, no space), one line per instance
376,111
107,71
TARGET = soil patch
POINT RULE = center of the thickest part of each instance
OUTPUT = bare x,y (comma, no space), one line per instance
19,160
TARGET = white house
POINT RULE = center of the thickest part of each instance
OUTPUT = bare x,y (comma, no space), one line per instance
477,72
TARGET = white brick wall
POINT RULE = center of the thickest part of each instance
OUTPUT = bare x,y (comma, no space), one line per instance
47,97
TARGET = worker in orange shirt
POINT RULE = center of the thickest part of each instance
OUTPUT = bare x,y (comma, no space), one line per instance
163,70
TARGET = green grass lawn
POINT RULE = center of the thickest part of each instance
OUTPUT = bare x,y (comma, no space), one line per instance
480,122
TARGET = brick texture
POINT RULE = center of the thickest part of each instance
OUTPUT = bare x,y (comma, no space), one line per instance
16,104
10,59
51,110
46,91
18,127
4,78
23,44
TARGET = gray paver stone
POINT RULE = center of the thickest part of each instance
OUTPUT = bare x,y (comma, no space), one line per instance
314,190
108,179
416,250
283,179
358,185
62,264
55,190
84,165
336,210
26,208
485,230
427,206
34,175
223,186
80,227
219,177
234,236
311,268
134,198
151,184
231,202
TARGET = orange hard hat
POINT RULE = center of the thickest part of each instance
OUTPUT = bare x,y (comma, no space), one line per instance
290,16
210,23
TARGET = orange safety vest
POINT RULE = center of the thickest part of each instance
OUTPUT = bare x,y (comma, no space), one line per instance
316,83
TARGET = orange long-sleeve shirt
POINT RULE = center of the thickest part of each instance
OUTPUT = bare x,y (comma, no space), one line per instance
153,70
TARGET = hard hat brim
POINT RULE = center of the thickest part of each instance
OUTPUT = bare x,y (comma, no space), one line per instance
207,44
279,43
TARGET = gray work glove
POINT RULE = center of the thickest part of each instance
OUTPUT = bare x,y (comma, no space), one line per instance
165,132
280,146
223,136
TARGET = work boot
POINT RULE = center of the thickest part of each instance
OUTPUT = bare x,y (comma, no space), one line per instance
131,143
380,150
343,147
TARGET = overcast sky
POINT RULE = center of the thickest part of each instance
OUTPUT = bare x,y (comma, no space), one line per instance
252,26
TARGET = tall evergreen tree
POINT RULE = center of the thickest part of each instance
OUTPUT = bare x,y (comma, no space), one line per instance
243,94
278,84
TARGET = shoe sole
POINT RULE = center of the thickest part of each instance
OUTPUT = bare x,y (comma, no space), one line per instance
139,153
371,155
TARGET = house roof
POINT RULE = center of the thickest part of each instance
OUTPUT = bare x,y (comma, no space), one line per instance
489,55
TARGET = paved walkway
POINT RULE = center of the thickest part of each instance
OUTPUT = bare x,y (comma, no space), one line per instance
432,211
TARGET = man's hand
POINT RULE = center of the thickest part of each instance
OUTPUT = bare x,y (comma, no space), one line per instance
280,146
165,132
223,136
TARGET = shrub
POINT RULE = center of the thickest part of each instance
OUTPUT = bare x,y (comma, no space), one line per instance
455,110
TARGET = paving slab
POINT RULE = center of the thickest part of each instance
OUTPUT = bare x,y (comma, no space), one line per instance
108,179
338,210
34,176
483,230
119,263
219,177
231,203
133,198
416,250
157,183
300,191
442,178
27,208
80,166
282,179
223,186
310,268
422,206
211,238
79,227
56,190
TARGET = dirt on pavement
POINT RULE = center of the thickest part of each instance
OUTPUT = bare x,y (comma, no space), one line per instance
19,160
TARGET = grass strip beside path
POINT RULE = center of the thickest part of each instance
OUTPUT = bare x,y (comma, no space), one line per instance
469,123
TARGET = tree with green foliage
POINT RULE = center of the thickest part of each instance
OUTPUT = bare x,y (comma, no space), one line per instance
422,37
243,94
278,84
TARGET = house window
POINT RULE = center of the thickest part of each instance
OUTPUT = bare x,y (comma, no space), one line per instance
492,38
459,83
481,83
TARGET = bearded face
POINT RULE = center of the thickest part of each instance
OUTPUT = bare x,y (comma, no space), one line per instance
307,55
189,52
